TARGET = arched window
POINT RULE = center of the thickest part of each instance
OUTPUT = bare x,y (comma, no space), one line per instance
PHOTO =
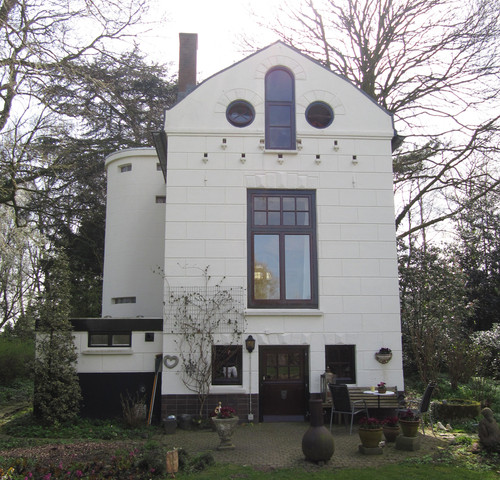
280,110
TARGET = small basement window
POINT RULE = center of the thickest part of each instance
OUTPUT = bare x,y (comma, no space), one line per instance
161,199
104,339
118,300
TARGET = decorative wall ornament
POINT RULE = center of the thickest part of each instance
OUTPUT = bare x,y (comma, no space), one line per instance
384,355
170,361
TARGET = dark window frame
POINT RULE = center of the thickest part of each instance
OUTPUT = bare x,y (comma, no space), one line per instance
283,103
342,362
282,231
235,121
109,343
223,369
319,123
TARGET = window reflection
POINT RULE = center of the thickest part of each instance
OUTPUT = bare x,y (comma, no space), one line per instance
266,267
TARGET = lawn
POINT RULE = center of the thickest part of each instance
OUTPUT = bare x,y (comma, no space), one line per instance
390,472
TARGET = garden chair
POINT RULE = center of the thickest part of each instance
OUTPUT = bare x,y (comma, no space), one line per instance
423,407
341,403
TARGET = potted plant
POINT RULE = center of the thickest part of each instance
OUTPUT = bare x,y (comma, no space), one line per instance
225,421
384,355
409,422
370,432
391,428
381,387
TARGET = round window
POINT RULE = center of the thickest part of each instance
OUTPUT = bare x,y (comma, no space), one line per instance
319,115
240,113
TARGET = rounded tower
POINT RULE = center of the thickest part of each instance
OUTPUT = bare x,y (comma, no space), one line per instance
135,235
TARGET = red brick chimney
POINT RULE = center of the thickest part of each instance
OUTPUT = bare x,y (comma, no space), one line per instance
188,45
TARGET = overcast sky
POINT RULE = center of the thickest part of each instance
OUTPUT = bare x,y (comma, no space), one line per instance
218,23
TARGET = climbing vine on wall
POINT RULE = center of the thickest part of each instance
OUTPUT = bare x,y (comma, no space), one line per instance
201,317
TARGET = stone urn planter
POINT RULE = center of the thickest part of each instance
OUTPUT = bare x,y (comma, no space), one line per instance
225,428
409,428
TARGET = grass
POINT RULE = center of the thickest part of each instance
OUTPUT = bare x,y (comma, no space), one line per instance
389,472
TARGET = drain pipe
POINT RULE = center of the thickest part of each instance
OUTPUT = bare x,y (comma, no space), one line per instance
250,346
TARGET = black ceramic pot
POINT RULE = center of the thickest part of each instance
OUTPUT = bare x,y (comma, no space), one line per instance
317,442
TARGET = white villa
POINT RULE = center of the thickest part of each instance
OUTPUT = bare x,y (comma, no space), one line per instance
277,175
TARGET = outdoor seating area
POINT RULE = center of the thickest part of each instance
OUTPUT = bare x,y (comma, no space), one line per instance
342,404
349,401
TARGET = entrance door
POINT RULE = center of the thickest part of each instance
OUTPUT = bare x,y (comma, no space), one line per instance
284,382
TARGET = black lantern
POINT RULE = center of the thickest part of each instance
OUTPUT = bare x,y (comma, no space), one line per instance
250,344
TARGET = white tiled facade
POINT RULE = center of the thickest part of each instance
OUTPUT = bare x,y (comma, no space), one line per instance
204,220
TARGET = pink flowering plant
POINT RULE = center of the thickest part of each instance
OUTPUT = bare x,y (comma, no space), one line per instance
381,384
409,416
391,421
370,423
224,412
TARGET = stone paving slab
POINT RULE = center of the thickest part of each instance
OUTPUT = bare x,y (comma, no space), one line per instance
279,445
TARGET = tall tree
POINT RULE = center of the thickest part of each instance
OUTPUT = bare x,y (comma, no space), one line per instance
478,252
434,310
435,65
40,40
68,99
116,103
57,390
19,267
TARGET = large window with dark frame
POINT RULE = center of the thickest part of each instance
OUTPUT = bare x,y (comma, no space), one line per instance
226,364
280,109
282,270
342,362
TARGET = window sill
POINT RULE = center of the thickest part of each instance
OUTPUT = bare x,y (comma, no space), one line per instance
280,152
108,351
227,389
283,312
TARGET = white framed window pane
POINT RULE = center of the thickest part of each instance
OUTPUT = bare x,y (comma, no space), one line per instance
297,267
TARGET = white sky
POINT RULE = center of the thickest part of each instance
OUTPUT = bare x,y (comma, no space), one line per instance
219,25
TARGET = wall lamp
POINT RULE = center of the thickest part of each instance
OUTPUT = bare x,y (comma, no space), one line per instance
250,344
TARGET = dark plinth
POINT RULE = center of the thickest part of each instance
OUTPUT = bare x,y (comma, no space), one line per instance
410,444
370,451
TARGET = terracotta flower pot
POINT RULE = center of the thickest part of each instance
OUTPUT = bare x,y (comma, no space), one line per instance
409,427
391,433
370,437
